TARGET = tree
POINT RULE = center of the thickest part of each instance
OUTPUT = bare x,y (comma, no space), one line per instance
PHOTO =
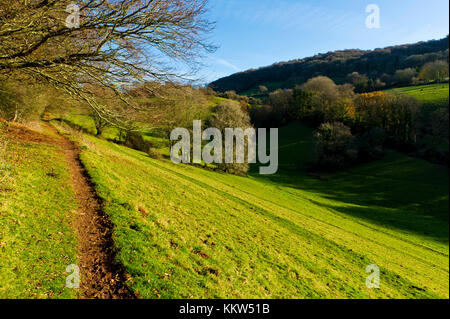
9,103
322,85
175,106
281,102
379,84
116,44
402,126
303,104
334,146
231,95
262,116
330,102
100,123
405,76
337,65
360,81
230,114
395,114
25,101
434,71
263,89
370,144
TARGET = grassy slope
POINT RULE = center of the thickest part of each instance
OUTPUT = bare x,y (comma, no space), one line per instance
434,95
37,241
186,232
295,147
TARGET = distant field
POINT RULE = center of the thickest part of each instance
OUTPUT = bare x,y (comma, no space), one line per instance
434,95
184,232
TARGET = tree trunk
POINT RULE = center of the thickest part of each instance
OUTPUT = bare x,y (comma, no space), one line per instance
16,115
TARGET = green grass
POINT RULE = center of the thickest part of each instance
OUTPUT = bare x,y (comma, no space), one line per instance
162,145
37,240
184,232
83,121
296,148
86,123
434,95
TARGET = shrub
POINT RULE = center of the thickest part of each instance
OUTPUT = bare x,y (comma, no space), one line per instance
153,153
136,141
24,102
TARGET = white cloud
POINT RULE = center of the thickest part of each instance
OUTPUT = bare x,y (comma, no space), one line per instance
288,15
226,63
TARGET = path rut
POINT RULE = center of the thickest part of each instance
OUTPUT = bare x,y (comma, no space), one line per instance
101,277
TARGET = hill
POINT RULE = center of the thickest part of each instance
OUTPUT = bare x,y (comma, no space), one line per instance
336,65
183,232
283,236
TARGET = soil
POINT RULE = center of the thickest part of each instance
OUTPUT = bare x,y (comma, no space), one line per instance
101,276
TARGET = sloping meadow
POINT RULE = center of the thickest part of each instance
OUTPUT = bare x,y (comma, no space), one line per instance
184,232
37,209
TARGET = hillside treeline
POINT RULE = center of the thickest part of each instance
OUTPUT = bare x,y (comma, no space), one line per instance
350,127
152,111
366,70
355,127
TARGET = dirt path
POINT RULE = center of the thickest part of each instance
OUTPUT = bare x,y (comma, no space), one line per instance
100,277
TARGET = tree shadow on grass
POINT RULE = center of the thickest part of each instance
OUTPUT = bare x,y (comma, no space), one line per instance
397,192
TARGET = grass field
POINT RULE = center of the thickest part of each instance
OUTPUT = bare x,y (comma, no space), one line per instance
183,232
37,241
434,95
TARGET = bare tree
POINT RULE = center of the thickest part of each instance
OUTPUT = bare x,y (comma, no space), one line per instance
434,71
117,43
405,76
176,106
229,114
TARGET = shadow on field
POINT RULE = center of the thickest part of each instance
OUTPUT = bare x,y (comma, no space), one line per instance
396,192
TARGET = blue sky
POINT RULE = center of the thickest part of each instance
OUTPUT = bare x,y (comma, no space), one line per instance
255,33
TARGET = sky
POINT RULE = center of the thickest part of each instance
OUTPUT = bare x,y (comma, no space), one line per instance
255,33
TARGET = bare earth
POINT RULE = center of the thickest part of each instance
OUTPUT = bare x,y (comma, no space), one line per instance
101,277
